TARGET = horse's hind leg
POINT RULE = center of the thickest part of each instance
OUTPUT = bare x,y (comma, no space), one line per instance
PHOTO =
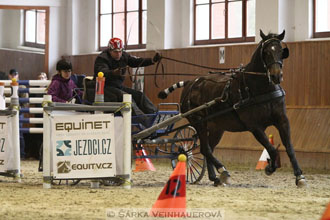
215,136
207,151
284,129
262,138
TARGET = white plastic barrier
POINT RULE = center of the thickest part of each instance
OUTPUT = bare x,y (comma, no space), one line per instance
71,159
9,144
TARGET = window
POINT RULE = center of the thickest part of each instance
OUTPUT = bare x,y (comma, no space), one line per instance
125,19
34,28
321,18
224,21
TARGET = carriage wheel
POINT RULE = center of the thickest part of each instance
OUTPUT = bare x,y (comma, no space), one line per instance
196,163
113,181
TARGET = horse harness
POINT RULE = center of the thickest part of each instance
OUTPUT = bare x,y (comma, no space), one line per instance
224,97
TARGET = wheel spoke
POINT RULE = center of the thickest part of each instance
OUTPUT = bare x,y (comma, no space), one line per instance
198,158
192,165
195,178
197,163
192,173
195,160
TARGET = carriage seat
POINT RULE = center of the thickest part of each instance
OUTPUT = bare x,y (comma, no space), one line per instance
78,80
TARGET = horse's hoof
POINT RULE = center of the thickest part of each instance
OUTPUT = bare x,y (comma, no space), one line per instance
268,170
225,177
216,182
301,181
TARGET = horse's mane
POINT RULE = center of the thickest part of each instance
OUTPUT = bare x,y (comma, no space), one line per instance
254,57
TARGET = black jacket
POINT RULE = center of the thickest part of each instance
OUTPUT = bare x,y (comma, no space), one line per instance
106,64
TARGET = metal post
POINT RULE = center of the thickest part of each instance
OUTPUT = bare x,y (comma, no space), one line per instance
2,98
99,98
46,146
15,135
127,116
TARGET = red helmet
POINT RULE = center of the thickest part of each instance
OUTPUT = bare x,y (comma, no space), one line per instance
115,44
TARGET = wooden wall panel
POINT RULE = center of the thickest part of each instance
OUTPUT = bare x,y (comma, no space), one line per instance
307,74
28,64
310,132
306,71
83,64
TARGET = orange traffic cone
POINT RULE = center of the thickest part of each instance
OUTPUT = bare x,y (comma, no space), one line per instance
172,200
262,163
143,164
326,215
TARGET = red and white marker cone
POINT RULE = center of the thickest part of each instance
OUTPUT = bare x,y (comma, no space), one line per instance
143,164
263,160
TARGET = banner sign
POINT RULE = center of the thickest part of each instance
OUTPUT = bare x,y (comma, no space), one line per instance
83,146
5,143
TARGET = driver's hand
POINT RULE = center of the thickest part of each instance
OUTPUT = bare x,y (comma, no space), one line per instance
117,72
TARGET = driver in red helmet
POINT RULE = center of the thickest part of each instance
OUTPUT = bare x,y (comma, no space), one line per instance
113,62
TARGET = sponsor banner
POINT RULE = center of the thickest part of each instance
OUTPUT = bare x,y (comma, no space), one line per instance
83,146
5,143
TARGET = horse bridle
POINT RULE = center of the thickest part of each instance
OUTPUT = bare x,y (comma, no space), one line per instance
285,54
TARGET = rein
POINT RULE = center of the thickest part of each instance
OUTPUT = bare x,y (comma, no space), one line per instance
197,65
230,71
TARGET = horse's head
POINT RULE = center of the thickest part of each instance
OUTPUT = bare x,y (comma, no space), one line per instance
272,55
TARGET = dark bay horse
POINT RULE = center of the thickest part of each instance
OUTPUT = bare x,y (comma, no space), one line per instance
250,99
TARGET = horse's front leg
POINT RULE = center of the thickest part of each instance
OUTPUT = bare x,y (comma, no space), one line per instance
284,129
273,153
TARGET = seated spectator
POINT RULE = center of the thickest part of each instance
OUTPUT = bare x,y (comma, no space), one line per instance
13,74
62,88
42,76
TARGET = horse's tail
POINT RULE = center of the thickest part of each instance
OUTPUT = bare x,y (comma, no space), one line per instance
164,93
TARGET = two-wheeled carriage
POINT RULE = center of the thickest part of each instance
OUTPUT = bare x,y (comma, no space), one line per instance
163,140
